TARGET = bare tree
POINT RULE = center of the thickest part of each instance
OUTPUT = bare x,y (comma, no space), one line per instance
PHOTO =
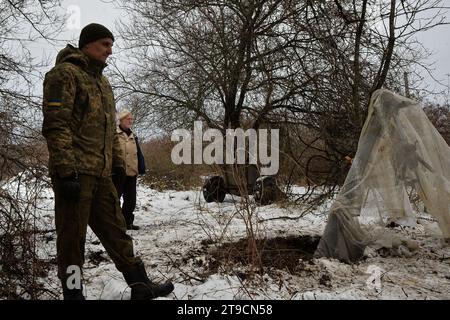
365,45
22,151
310,65
228,63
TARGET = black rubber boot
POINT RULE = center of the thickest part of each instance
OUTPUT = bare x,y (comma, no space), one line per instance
141,286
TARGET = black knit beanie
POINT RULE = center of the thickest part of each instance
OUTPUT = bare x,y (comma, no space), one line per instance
93,32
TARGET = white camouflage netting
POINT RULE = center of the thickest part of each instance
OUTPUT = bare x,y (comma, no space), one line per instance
399,150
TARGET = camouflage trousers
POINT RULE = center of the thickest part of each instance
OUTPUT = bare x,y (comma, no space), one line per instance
98,207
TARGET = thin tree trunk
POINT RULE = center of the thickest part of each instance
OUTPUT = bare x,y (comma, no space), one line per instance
384,68
356,62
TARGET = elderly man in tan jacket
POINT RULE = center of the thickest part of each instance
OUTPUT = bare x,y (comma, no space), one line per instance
134,165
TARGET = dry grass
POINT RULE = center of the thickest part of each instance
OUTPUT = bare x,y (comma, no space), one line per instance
163,174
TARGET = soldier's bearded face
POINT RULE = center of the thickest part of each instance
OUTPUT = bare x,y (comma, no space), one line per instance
99,50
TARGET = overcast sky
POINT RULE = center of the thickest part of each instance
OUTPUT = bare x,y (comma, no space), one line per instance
79,13
437,40
104,12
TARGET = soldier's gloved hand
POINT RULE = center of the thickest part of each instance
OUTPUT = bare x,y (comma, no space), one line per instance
118,175
70,187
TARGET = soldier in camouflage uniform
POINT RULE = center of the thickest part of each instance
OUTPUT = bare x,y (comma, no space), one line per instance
79,125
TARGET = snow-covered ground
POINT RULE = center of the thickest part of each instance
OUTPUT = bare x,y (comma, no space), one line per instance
175,226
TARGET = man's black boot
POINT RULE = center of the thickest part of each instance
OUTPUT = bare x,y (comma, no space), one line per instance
141,286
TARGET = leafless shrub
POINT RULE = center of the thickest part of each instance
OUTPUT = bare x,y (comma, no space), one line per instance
439,116
163,174
22,150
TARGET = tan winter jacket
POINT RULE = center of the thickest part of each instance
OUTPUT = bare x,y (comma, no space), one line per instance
129,151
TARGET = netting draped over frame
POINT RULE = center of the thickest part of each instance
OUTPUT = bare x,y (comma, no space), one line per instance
399,149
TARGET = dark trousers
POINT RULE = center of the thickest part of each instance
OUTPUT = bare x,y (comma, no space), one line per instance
99,208
127,190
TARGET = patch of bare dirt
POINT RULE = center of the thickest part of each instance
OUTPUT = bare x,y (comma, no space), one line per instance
281,253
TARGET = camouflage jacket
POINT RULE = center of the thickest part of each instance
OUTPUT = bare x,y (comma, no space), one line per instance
79,117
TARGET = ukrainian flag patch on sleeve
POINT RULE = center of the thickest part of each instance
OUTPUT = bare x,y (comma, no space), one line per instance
54,103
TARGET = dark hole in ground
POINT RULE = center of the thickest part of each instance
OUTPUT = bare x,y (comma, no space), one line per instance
279,253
